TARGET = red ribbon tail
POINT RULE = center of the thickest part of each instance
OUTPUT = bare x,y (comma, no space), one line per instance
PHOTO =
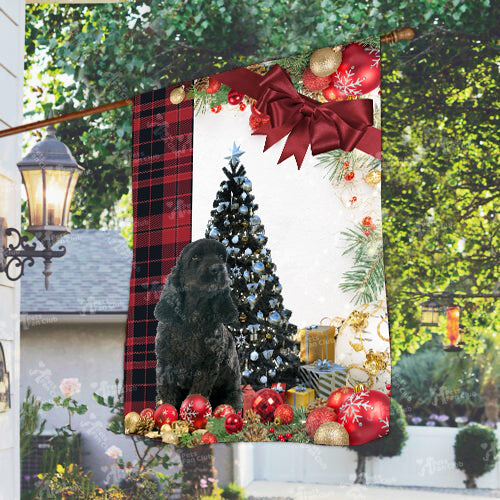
297,143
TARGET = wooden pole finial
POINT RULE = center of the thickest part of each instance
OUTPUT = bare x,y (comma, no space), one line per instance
398,36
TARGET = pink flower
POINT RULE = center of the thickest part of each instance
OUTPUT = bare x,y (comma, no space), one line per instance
203,483
114,452
70,387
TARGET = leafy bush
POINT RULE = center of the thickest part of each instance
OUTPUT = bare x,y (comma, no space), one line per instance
476,452
233,492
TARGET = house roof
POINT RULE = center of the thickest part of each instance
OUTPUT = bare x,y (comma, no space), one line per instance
92,278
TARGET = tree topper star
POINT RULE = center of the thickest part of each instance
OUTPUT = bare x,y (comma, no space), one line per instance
234,154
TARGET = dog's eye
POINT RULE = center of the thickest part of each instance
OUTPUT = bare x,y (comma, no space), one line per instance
195,257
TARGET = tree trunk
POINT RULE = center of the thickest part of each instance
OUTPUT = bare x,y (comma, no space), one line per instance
470,482
197,463
361,470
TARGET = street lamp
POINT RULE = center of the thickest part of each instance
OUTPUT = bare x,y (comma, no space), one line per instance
50,173
429,314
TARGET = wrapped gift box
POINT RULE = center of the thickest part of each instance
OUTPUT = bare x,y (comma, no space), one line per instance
248,395
279,387
323,376
299,396
317,342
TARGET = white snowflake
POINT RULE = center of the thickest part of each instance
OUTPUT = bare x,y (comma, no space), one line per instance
375,53
190,414
236,271
345,82
208,411
351,409
384,429
240,341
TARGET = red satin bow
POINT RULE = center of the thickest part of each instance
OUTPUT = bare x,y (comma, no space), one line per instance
324,126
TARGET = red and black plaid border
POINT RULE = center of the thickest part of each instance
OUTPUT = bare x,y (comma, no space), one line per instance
162,172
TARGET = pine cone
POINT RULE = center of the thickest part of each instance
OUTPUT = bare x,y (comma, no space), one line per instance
249,100
317,403
195,442
255,432
144,425
251,417
257,68
201,84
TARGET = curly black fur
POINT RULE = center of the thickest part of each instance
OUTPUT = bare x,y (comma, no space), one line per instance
195,352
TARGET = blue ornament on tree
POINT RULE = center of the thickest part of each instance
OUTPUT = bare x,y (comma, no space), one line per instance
214,233
258,267
243,209
275,318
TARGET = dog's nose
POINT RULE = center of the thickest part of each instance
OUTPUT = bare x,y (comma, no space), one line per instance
216,268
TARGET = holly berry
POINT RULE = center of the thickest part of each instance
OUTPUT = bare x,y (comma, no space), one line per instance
234,97
281,437
349,176
346,163
388,387
288,435
389,393
373,226
354,198
213,86
243,106
216,109
367,232
271,430
367,221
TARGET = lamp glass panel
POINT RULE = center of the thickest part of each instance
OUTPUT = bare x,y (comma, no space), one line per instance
34,190
55,194
71,192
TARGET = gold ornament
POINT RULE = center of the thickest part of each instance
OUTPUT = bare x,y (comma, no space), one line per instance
180,427
325,61
358,320
201,84
359,388
375,362
144,425
165,428
257,68
277,421
170,437
373,177
242,317
199,432
332,434
131,419
268,336
249,100
152,434
177,95
317,403
255,432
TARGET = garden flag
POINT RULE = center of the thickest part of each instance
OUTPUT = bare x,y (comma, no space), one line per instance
257,297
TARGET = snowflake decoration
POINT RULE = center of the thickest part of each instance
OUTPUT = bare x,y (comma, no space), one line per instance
208,412
384,429
240,341
190,414
352,407
236,271
345,82
375,53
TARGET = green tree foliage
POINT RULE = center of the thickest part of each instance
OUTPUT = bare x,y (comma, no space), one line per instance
476,452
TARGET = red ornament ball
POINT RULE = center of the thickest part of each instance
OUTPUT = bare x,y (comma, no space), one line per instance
222,411
365,416
234,97
332,93
389,394
165,414
338,397
213,86
367,232
271,430
349,176
285,413
148,413
265,402
288,435
317,417
208,438
243,106
233,423
388,387
216,109
281,437
195,410
359,72
257,121
313,82
367,221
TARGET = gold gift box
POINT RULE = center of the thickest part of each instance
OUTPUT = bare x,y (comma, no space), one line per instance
299,396
317,342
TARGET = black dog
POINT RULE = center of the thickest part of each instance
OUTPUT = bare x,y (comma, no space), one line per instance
195,352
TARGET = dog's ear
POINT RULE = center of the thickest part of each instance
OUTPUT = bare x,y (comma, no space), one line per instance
170,306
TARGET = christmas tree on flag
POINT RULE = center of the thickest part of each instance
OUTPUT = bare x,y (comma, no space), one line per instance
263,334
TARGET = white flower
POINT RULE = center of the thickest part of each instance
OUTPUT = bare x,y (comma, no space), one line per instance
114,452
70,386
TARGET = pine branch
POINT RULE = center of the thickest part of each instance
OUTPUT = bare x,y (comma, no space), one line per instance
295,65
371,41
204,102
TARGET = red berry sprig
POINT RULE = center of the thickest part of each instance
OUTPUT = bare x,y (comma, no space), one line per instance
216,109
349,176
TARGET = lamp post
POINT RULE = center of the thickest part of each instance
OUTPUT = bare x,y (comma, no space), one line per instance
429,315
50,173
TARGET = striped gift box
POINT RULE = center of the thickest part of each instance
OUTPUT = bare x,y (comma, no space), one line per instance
323,376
